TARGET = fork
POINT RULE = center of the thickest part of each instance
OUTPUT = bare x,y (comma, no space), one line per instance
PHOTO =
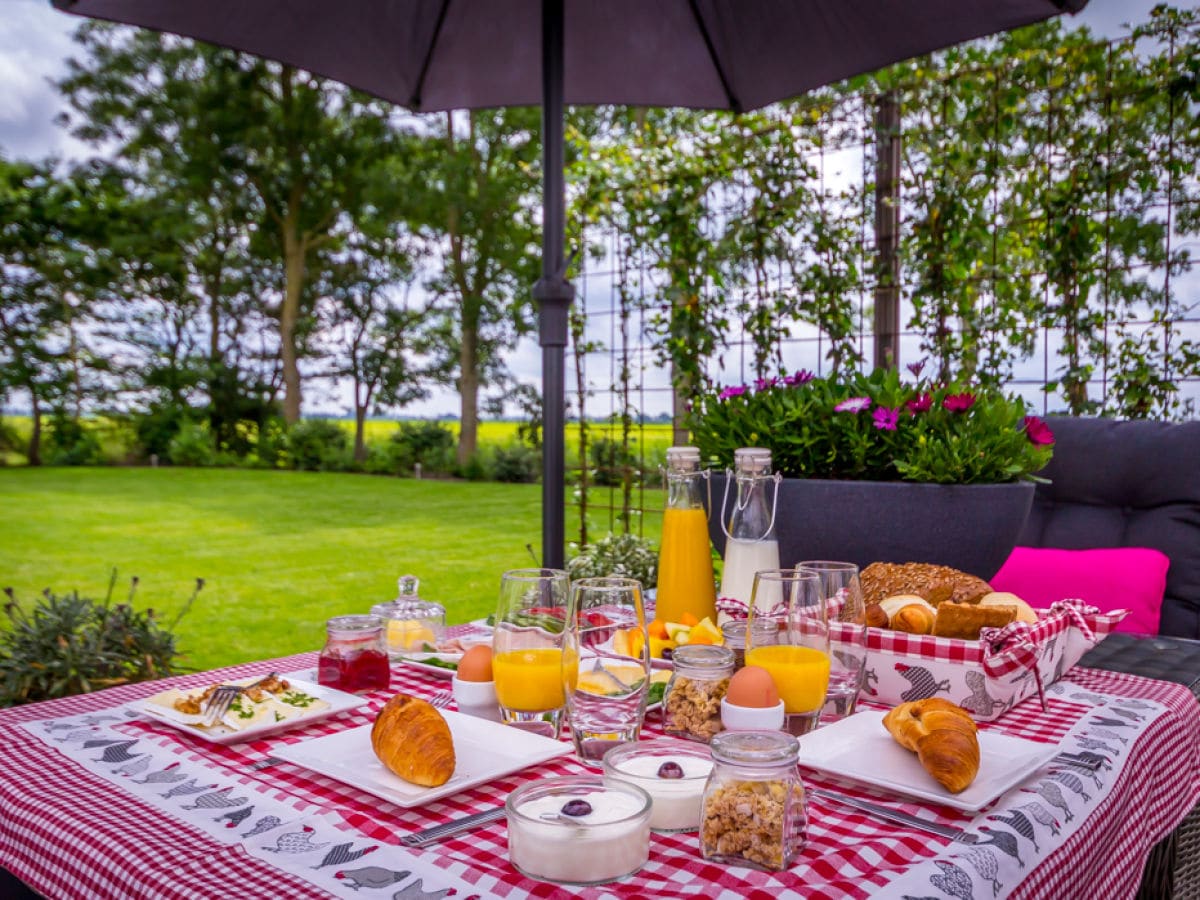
440,700
219,702
222,698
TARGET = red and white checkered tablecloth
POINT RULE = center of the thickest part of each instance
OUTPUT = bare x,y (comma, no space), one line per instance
69,833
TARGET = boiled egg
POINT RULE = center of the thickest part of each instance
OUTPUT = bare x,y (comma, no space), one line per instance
476,664
753,687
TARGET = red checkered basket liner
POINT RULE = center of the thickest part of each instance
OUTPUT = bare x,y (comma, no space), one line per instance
988,676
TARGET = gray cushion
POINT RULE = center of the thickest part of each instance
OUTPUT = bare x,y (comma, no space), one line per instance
1127,484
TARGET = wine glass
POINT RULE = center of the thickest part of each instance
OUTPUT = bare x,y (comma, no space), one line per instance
606,664
843,596
797,651
527,649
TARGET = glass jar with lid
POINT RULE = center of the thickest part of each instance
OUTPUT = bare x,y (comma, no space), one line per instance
353,658
751,544
692,700
753,807
412,625
735,633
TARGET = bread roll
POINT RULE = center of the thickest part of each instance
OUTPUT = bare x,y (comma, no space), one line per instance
412,739
1025,612
942,735
935,584
961,620
907,612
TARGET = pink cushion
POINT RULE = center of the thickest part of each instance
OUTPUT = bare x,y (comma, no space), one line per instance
1133,578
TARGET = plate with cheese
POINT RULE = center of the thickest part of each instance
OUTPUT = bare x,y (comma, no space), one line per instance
275,706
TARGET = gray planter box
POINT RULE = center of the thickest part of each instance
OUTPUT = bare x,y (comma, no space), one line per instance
972,527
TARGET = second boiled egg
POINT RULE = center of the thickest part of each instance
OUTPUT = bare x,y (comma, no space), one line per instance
752,686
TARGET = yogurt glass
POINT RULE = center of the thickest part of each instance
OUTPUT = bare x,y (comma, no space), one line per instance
609,842
677,800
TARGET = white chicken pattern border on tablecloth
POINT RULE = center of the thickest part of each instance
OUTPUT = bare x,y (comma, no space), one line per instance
1041,814
305,845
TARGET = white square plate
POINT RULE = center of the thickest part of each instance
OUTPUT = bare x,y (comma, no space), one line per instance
483,751
861,749
339,702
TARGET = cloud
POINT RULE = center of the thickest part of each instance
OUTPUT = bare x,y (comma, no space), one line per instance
34,44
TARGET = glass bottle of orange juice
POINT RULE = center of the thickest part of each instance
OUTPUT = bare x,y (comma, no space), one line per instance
685,571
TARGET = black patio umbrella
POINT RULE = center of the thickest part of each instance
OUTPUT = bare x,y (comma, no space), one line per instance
436,55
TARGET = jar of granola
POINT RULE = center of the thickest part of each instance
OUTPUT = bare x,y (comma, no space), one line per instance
692,700
753,811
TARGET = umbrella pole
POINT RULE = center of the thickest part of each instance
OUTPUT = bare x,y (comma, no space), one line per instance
553,292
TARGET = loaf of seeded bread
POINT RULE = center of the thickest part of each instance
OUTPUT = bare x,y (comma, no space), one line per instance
936,584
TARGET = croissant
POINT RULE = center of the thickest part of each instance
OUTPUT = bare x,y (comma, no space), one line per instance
412,739
942,735
907,612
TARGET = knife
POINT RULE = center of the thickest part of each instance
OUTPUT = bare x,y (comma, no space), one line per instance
896,815
446,829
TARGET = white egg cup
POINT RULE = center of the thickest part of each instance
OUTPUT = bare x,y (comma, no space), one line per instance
476,698
751,718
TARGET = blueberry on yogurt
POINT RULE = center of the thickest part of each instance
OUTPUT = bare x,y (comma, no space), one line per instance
577,808
670,769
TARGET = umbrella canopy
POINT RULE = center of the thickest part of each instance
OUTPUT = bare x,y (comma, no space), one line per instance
431,55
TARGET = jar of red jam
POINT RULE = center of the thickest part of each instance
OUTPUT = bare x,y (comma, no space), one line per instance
354,657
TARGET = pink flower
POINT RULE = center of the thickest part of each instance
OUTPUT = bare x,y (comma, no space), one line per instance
1038,432
886,419
803,376
763,384
854,405
959,403
916,367
921,403
732,392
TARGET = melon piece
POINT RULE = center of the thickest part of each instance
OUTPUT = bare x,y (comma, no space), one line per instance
677,632
705,632
658,629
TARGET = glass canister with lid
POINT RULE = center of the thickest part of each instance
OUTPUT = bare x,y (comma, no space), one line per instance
751,544
753,812
735,633
353,658
412,625
692,700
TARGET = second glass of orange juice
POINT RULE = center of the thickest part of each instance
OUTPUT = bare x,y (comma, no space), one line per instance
798,657
527,649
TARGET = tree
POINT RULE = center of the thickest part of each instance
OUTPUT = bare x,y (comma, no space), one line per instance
472,182
377,339
50,229
295,150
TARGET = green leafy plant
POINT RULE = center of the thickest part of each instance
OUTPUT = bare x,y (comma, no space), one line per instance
617,554
192,445
875,428
516,463
429,443
318,445
68,644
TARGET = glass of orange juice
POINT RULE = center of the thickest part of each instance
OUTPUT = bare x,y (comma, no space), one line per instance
527,649
798,658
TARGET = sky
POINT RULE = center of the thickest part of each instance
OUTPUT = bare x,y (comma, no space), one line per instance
35,42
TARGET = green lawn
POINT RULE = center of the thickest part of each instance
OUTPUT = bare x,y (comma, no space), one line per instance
280,551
